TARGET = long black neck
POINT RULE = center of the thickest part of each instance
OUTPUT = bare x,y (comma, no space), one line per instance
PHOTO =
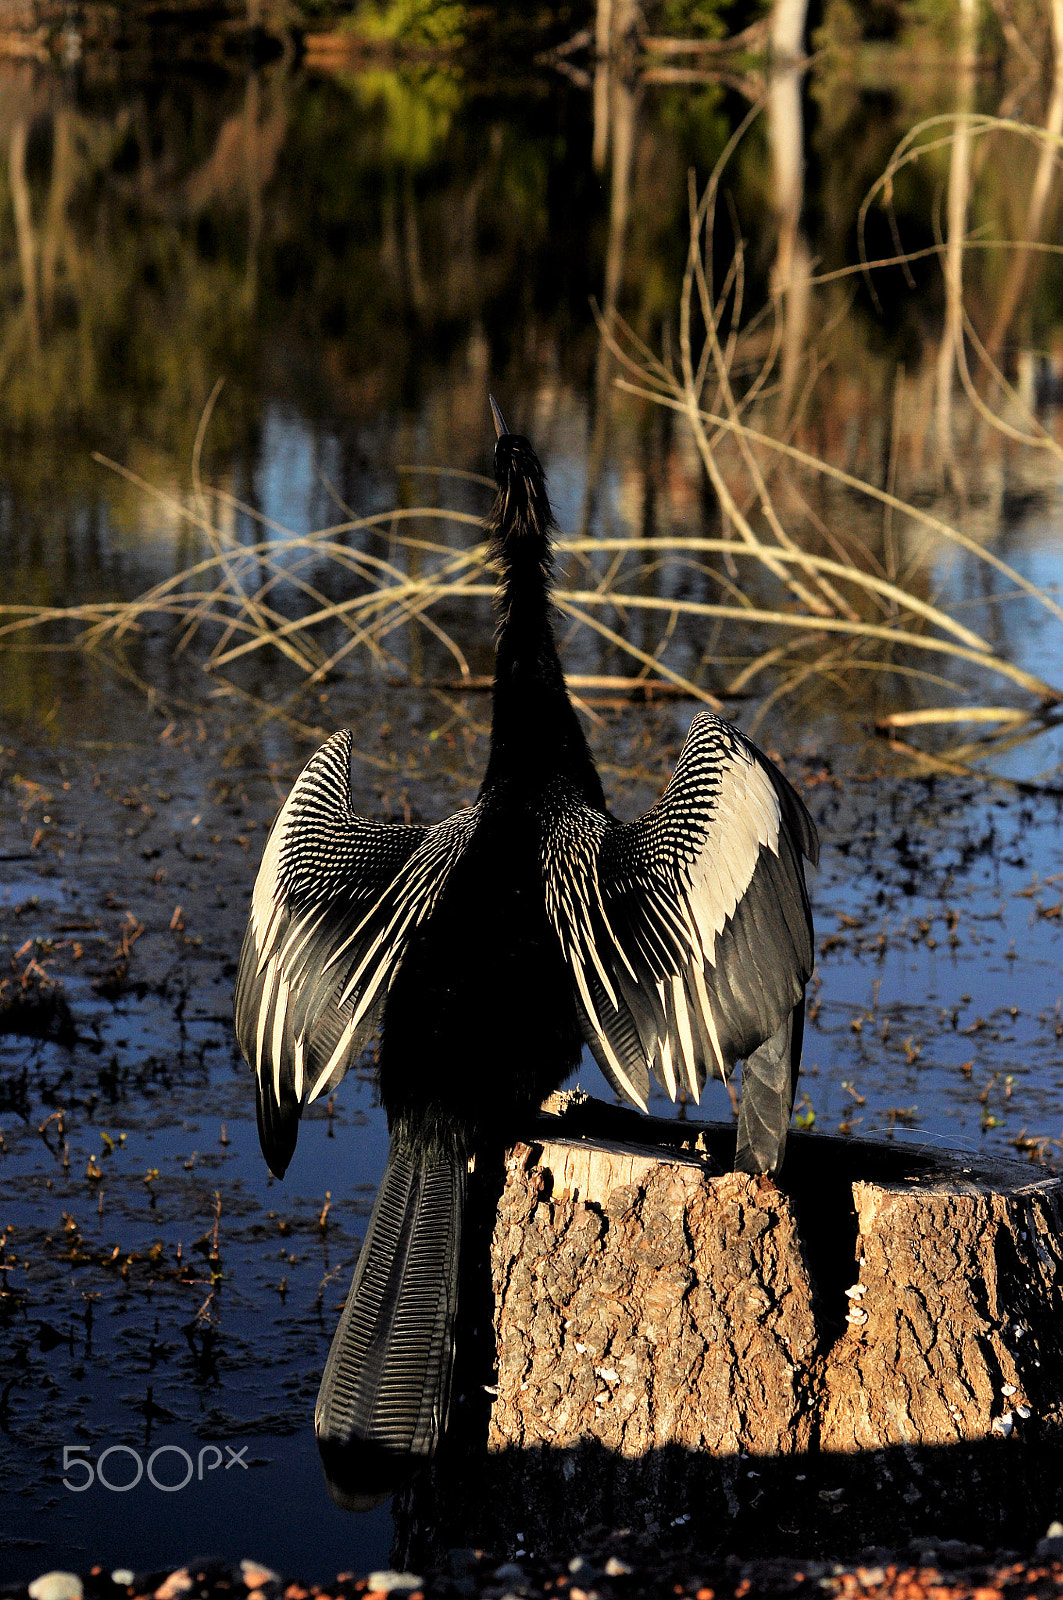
535,733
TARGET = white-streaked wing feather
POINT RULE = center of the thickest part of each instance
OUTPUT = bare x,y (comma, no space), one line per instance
688,931
335,898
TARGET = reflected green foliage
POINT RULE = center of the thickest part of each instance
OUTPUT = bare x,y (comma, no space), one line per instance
412,22
691,19
413,111
926,21
846,24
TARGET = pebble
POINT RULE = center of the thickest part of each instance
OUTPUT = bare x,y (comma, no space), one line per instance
56,1586
509,1581
256,1576
395,1582
178,1582
1051,1546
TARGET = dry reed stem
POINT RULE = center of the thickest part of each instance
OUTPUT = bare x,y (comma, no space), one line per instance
567,599
933,715
400,597
862,486
866,580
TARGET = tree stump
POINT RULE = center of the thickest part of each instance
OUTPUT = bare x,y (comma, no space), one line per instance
868,1352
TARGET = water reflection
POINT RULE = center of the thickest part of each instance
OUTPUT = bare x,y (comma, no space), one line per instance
358,255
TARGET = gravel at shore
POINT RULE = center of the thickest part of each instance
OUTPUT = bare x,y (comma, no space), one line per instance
620,1569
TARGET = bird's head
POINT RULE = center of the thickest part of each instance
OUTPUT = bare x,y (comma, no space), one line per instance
521,519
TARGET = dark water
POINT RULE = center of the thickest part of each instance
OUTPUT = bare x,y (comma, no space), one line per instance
361,255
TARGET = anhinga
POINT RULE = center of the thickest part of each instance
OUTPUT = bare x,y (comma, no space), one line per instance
487,950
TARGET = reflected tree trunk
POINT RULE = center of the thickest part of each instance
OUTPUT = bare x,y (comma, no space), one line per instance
603,36
616,25
951,346
1015,282
793,263
253,176
390,248
27,245
59,194
787,33
623,126
417,288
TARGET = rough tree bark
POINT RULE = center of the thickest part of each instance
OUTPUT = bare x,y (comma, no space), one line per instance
644,1302
869,1352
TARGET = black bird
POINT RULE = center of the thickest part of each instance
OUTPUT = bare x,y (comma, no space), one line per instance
488,949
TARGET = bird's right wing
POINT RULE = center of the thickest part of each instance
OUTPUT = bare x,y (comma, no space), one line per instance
687,931
334,902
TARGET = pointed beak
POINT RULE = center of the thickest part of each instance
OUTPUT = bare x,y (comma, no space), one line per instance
500,421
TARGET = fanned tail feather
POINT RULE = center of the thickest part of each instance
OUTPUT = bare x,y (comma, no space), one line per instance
384,1394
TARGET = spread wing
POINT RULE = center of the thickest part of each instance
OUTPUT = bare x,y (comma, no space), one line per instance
688,931
333,904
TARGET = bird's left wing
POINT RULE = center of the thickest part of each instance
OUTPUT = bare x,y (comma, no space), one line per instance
688,931
333,904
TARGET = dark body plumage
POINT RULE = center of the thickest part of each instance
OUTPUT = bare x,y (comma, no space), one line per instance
488,949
